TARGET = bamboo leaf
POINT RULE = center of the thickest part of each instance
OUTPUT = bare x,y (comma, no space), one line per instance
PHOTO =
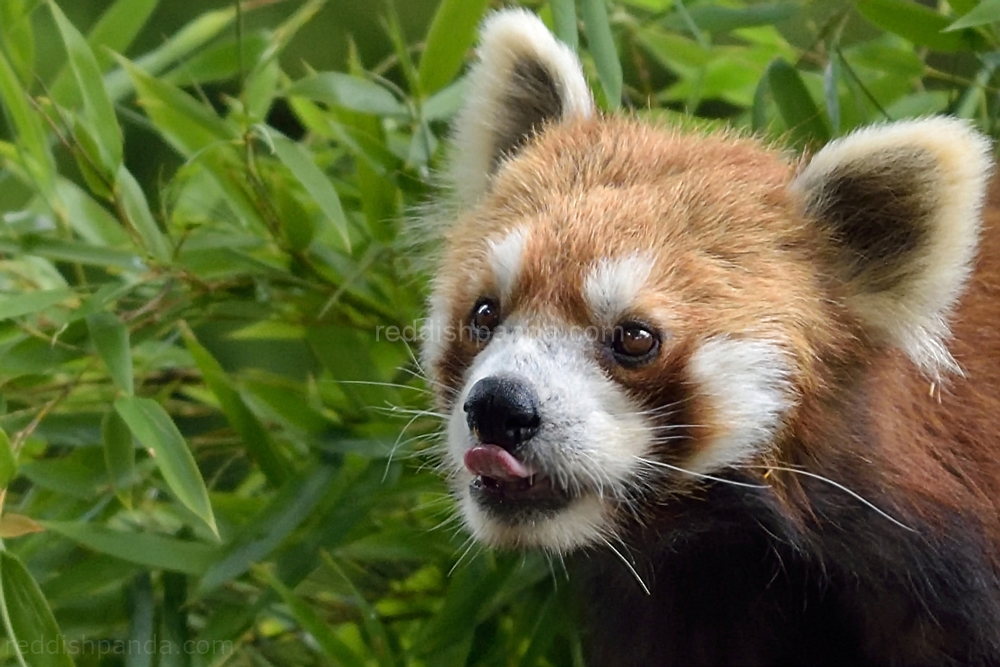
185,41
111,340
801,115
378,636
16,32
135,209
119,25
349,92
450,36
917,23
74,252
300,162
262,535
717,18
99,112
253,433
601,44
17,525
119,455
18,305
152,426
186,123
114,31
831,77
564,22
986,12
8,462
32,633
30,132
155,551
331,645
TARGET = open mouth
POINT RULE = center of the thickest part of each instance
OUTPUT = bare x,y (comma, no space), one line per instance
506,486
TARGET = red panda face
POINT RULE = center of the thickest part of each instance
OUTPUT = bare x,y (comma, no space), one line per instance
622,313
596,331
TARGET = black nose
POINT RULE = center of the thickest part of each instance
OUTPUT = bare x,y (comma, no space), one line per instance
503,411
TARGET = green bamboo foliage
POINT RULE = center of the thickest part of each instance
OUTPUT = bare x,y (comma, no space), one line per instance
213,433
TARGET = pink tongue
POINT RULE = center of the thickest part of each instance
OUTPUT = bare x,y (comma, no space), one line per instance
495,462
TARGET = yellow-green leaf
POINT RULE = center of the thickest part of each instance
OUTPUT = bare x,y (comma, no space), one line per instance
254,435
564,22
17,525
114,31
99,112
350,92
806,123
111,340
152,426
601,45
16,305
451,34
986,12
919,24
329,643
119,455
135,207
8,462
186,123
300,162
28,124
155,551
184,42
32,633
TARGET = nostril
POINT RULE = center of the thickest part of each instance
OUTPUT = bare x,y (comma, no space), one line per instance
502,410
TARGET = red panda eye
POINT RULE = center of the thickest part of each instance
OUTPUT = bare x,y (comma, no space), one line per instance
634,344
485,318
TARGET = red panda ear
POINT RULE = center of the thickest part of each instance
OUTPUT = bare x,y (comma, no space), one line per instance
523,79
902,205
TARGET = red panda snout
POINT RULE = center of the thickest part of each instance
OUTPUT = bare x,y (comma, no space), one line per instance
537,394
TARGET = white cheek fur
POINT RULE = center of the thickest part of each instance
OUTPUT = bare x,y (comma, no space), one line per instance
746,384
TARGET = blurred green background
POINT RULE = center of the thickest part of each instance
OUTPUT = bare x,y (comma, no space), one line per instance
210,453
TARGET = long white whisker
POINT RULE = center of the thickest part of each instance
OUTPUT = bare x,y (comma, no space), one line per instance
840,486
397,410
700,475
629,565
394,385
472,545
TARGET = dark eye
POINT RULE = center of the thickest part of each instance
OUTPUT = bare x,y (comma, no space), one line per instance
634,343
485,318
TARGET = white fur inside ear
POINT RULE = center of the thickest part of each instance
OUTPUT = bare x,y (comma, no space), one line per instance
507,39
748,391
913,313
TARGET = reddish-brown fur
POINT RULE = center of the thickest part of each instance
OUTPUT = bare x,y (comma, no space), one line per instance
736,254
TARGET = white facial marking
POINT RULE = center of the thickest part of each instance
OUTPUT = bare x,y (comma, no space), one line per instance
505,260
590,437
747,384
612,285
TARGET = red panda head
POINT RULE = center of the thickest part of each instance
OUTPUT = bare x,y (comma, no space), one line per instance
623,312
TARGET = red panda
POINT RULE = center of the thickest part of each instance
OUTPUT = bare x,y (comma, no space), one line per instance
756,400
